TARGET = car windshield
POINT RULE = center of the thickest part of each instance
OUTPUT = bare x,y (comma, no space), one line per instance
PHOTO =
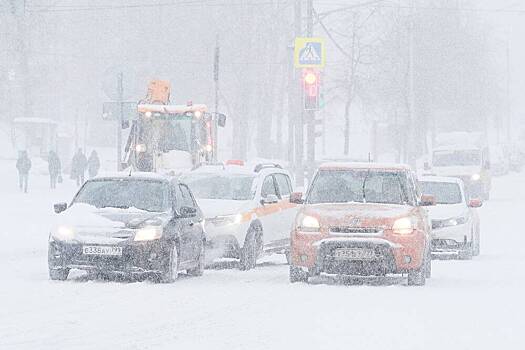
443,192
370,186
452,158
214,186
123,193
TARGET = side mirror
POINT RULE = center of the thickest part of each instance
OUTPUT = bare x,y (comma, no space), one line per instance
270,199
487,165
475,203
187,212
221,120
427,200
59,207
426,166
296,197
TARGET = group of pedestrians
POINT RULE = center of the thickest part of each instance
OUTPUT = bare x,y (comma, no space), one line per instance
79,165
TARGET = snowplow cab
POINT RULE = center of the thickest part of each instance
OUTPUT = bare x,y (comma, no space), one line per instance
172,138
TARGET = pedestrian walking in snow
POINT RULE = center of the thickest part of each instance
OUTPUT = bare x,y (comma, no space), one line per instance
78,167
54,167
23,164
93,164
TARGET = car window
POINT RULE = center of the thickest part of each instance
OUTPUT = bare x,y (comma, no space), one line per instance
123,193
283,182
176,196
268,187
186,198
443,192
342,186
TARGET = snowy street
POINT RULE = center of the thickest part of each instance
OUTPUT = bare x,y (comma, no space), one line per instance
466,305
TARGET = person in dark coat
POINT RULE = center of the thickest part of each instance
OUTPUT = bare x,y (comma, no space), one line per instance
54,167
23,164
93,164
78,166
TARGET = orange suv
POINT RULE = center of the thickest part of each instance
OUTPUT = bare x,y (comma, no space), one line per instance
362,219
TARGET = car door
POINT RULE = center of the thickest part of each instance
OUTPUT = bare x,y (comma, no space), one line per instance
287,210
184,227
267,212
195,234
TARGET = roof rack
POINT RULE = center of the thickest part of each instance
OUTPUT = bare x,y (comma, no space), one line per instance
210,164
261,166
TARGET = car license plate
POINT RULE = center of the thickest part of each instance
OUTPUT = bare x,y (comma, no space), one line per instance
102,250
354,254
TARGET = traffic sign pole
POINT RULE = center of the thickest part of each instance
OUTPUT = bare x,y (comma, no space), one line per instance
310,114
120,118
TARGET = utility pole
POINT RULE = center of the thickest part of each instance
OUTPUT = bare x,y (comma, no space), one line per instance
120,91
310,114
508,111
411,120
298,112
216,60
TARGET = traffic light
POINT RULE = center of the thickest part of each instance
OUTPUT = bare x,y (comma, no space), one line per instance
311,80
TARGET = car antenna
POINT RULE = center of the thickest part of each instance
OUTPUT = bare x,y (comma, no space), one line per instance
130,168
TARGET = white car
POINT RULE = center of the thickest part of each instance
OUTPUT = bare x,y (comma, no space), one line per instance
455,222
247,209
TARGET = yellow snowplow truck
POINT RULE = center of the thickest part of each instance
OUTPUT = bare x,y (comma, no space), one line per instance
171,138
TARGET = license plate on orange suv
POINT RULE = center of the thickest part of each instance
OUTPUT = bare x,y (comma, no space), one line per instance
354,254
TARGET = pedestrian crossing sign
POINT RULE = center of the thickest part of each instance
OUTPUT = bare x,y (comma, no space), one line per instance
309,53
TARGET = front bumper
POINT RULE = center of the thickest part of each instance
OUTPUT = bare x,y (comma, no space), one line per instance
225,240
136,258
452,236
318,254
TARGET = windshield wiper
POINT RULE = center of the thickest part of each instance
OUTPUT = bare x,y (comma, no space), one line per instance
116,206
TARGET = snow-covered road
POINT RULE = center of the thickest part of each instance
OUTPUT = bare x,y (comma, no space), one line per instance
466,305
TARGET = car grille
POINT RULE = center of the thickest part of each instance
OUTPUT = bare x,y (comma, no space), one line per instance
338,230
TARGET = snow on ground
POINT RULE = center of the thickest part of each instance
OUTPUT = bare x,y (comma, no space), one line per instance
466,305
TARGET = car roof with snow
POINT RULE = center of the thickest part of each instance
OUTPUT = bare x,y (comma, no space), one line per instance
238,169
446,179
134,176
457,147
364,165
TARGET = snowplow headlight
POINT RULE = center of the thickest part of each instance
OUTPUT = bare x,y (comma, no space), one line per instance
197,114
475,177
140,148
147,114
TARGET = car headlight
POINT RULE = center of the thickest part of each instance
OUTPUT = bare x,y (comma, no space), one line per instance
233,219
148,233
63,233
475,177
460,220
307,223
403,226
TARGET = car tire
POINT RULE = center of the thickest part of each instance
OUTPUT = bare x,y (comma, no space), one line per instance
466,254
428,265
172,268
199,269
476,250
417,277
297,275
288,257
58,275
250,251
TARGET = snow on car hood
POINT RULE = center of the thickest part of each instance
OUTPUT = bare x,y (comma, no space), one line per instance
446,211
456,170
370,214
219,207
105,225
